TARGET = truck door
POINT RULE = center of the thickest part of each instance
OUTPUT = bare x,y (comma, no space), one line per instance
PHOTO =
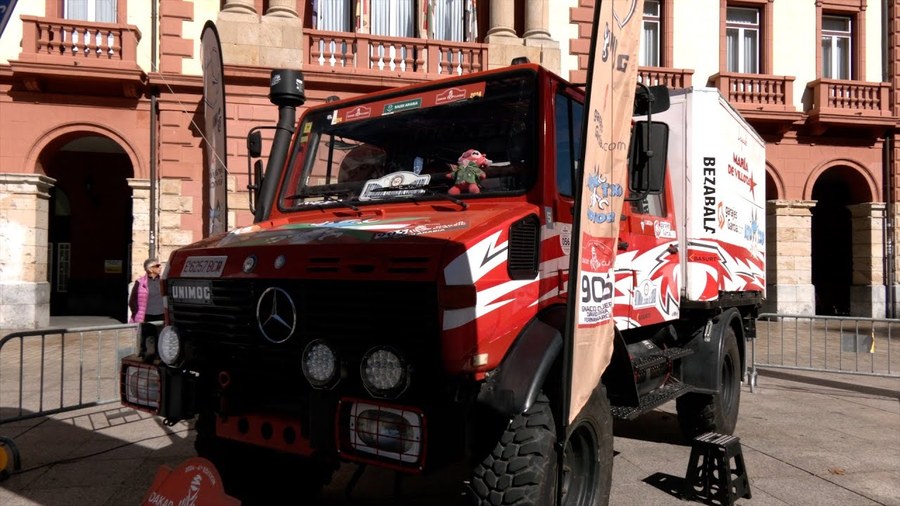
647,288
568,115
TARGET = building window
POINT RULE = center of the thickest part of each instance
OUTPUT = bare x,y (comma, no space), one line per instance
332,15
393,18
650,36
454,20
103,11
836,47
742,40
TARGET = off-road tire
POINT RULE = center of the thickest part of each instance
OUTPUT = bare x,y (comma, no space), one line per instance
259,476
699,413
521,470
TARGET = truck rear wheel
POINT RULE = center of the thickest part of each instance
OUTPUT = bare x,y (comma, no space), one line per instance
522,467
699,413
259,476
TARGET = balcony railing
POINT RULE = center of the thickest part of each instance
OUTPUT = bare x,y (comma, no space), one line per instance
103,56
855,99
669,77
757,92
75,42
375,54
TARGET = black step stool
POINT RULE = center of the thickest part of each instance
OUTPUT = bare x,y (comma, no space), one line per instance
711,476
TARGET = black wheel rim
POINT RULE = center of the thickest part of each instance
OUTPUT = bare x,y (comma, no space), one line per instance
727,383
579,474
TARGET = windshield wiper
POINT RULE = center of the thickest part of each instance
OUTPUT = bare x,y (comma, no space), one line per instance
425,191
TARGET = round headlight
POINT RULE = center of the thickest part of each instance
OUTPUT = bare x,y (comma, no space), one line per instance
168,345
320,365
384,372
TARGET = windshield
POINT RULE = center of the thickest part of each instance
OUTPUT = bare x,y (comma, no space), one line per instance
474,138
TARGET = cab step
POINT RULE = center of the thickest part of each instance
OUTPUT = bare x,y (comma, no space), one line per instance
652,400
656,359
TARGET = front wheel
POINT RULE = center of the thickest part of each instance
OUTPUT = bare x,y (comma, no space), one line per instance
699,413
522,468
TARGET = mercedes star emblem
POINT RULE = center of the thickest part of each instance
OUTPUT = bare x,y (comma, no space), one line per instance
276,315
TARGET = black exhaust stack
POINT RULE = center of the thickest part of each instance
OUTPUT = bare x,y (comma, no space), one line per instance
286,91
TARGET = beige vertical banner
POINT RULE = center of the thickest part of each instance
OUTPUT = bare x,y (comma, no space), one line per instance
611,86
214,130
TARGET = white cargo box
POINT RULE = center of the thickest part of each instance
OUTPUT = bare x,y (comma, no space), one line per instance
717,165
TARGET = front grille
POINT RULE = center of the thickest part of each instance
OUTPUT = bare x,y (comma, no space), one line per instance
337,310
352,315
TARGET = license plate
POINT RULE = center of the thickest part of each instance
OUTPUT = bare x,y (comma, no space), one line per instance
203,267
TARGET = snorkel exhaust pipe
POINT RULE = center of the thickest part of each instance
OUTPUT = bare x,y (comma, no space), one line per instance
287,92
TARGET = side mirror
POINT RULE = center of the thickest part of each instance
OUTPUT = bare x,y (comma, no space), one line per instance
647,158
254,144
256,185
650,100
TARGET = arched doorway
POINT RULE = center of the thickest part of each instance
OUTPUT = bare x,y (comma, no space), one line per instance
832,238
89,226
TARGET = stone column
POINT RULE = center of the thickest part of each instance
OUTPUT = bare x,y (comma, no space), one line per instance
867,291
140,226
503,14
537,19
539,47
282,9
239,32
238,7
24,224
281,36
789,288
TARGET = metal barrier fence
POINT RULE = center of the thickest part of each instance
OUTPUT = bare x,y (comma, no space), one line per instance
47,371
52,370
842,344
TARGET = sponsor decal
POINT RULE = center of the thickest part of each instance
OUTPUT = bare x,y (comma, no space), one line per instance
405,105
358,112
406,184
450,95
739,169
598,134
596,297
598,258
754,233
663,229
646,295
602,192
190,291
709,194
728,218
422,229
703,257
203,267
565,237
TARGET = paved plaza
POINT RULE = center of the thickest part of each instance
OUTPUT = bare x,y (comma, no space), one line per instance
808,438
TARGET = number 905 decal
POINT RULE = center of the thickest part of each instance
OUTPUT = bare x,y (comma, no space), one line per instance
596,298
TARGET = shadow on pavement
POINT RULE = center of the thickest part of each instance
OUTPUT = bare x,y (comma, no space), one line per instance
107,455
830,383
667,483
654,427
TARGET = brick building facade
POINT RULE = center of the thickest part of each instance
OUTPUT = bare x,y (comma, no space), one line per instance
101,121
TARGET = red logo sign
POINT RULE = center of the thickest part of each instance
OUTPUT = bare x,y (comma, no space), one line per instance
195,482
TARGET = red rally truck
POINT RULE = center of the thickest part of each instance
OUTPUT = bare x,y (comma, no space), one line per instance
400,300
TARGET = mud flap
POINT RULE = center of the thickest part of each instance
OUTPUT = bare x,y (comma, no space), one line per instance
701,370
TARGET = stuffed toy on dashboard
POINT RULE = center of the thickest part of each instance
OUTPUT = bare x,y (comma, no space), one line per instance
468,172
